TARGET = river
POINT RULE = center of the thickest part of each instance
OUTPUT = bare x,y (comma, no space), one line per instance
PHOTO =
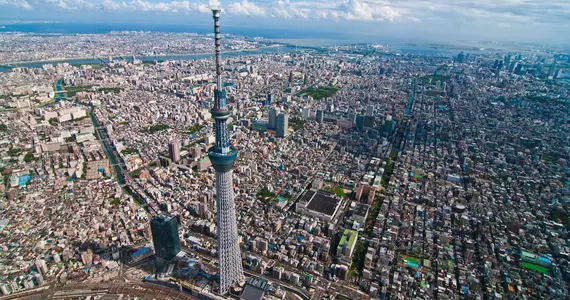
39,64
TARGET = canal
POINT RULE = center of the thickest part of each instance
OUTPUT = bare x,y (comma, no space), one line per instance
114,158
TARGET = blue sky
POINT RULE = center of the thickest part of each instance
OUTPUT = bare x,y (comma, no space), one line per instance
544,21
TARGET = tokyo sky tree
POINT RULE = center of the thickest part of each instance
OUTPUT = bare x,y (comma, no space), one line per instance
223,156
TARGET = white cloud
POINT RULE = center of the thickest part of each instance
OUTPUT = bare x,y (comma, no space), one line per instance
246,8
286,9
516,13
23,4
361,11
214,4
201,8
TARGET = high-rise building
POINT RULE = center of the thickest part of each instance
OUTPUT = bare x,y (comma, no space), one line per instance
223,157
174,149
461,57
370,110
41,266
306,113
165,237
368,121
359,122
273,112
290,78
282,124
320,115
352,117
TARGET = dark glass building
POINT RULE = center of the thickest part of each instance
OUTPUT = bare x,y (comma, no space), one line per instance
165,236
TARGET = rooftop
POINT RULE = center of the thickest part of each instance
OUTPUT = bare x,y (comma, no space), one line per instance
323,202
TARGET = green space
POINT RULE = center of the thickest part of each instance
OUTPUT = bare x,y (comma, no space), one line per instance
5,96
114,90
388,171
14,151
559,215
536,268
53,121
372,215
3,127
158,127
29,157
130,151
196,142
339,191
265,195
435,93
297,124
115,201
434,79
81,118
545,99
124,123
194,129
358,259
71,91
411,262
318,93
137,171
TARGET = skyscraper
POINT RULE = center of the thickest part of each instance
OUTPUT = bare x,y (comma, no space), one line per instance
174,149
273,112
282,124
165,237
223,157
320,115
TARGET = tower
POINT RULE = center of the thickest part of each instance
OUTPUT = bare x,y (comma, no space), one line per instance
282,125
320,115
174,149
165,237
273,112
223,156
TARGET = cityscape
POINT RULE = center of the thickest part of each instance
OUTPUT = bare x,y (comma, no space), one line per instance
179,165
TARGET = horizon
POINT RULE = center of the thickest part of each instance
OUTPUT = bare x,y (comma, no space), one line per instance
364,21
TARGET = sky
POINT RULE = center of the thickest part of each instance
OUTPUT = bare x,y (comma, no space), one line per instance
529,21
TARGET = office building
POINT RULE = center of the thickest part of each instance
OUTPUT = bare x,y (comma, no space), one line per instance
346,245
282,124
368,121
174,149
165,237
360,122
306,113
273,112
320,115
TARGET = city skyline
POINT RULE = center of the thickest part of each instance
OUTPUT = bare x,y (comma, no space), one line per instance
171,164
364,21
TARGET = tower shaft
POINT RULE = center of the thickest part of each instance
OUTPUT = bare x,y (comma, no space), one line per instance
223,157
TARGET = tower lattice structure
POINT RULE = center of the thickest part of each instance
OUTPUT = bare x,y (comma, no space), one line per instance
223,157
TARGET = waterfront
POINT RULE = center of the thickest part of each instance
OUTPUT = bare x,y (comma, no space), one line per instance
159,58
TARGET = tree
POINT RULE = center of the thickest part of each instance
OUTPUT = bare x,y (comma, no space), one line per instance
3,127
29,157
